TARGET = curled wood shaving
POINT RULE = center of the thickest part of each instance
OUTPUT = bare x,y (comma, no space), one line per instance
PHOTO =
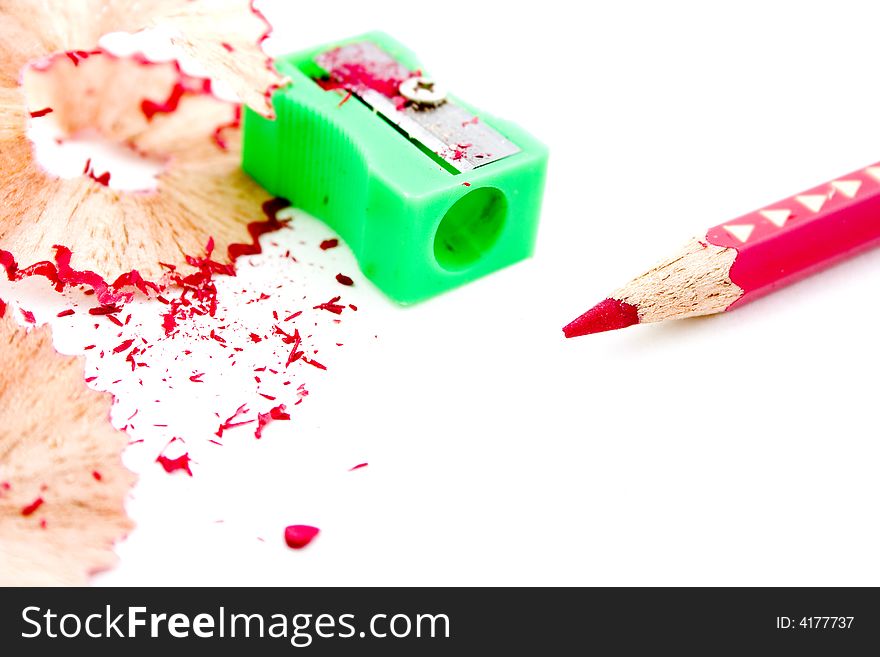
62,483
49,47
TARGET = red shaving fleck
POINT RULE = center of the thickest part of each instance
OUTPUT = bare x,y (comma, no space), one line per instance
77,55
227,46
345,280
295,353
66,313
96,475
358,467
109,309
277,413
173,465
103,179
329,244
255,338
169,323
43,112
286,338
460,152
298,536
115,320
32,507
228,422
345,99
269,397
123,346
197,378
43,523
473,121
90,379
314,363
466,184
28,316
331,306
2,308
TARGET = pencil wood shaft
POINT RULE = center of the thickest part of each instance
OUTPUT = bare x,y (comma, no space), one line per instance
695,281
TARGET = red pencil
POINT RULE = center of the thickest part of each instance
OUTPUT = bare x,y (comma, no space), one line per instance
743,259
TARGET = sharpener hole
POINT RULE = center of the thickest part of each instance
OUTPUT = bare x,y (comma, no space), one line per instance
470,228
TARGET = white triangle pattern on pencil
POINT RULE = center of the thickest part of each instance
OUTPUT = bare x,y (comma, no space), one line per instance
848,188
874,172
742,232
812,202
776,217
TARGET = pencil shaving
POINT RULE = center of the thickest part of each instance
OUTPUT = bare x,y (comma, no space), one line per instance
62,483
224,36
152,109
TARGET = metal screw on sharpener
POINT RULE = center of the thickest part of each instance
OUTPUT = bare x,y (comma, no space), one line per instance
423,91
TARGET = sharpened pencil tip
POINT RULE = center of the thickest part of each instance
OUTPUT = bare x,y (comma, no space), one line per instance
607,315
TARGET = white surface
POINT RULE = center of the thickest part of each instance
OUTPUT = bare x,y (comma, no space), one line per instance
741,449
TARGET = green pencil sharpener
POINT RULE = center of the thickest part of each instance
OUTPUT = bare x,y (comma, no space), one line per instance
428,192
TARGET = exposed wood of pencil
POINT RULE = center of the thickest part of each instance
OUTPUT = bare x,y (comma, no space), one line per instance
694,281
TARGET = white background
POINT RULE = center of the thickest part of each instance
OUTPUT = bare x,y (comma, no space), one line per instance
741,449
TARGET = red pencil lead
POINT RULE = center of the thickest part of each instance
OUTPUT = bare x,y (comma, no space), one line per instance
607,315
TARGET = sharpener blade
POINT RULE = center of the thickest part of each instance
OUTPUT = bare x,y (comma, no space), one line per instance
451,132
